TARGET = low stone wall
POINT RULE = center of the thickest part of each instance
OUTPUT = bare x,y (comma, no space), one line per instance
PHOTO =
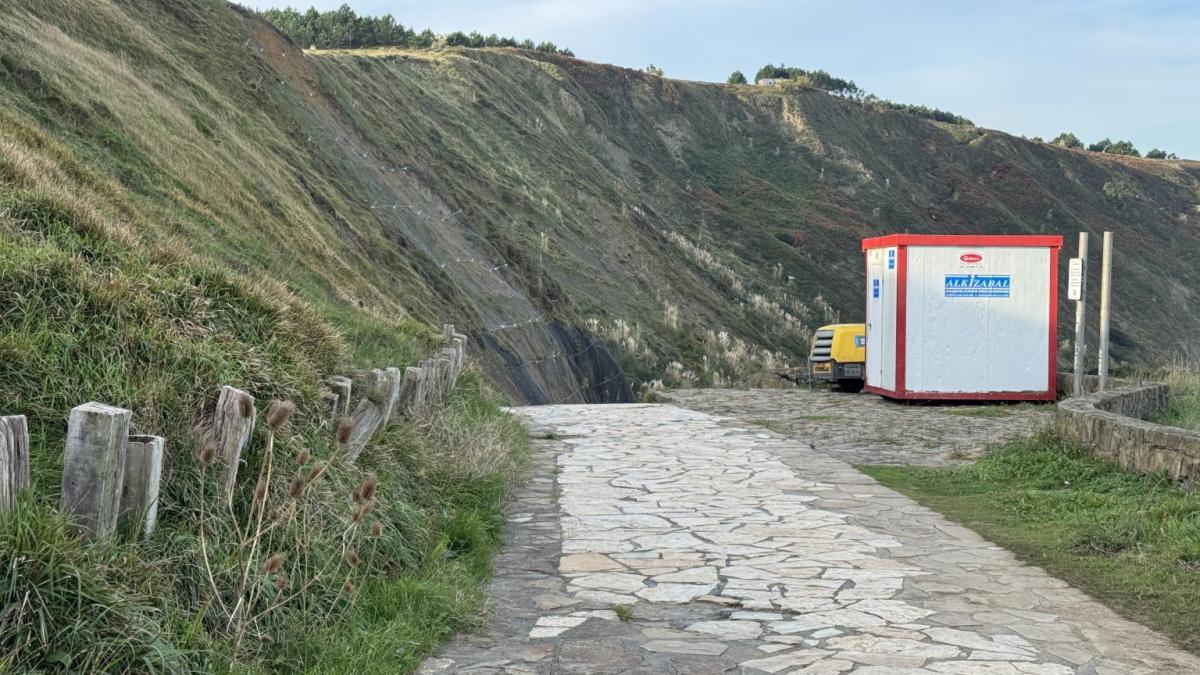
1113,425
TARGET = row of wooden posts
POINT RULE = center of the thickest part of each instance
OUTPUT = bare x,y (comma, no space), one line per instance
111,478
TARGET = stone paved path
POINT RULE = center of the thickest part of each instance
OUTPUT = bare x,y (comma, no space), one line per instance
866,429
736,550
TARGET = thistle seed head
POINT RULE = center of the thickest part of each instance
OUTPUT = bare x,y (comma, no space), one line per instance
352,558
303,457
207,455
245,407
273,563
279,413
282,582
376,529
368,486
347,588
297,487
345,427
260,491
316,471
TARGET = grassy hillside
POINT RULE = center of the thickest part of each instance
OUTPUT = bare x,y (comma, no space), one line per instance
559,210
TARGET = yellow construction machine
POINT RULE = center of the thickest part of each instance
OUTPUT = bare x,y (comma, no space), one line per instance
839,355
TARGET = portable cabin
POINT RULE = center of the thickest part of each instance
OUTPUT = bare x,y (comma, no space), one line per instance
962,316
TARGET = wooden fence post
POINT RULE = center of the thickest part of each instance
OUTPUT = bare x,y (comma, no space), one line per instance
373,411
447,332
94,467
333,404
14,460
139,490
410,391
445,373
231,427
388,390
341,386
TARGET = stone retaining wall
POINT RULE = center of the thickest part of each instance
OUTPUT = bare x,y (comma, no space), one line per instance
1113,425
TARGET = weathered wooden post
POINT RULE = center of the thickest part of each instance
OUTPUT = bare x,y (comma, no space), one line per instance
447,333
373,411
333,405
341,386
424,386
139,490
388,386
446,366
94,467
410,390
14,460
230,431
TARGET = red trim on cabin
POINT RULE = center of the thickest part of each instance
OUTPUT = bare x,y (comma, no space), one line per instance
1052,358
1032,240
901,314
964,395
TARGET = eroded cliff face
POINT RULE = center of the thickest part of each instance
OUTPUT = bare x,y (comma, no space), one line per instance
595,228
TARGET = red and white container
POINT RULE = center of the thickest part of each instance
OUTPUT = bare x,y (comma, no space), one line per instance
962,316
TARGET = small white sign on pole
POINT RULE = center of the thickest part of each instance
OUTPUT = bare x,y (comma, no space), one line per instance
1075,279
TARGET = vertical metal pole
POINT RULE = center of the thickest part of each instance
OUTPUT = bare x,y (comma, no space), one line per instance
1105,297
1080,332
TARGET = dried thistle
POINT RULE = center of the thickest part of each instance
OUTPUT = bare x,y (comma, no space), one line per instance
282,582
368,487
245,407
359,512
260,491
316,471
266,639
278,414
297,487
273,563
347,588
345,427
303,457
207,455
376,529
352,558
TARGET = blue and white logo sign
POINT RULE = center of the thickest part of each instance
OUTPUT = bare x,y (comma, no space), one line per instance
874,288
891,260
860,341
978,285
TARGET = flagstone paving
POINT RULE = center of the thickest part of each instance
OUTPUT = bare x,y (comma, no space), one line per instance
867,429
729,549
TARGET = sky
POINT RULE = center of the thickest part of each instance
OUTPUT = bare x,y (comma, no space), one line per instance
1122,69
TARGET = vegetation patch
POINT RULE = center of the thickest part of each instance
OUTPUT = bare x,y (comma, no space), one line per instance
317,564
1128,539
1183,408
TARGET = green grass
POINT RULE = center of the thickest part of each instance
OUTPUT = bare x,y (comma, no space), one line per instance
1183,408
1130,540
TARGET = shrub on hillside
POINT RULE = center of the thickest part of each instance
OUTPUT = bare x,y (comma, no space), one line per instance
1067,140
342,28
818,79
